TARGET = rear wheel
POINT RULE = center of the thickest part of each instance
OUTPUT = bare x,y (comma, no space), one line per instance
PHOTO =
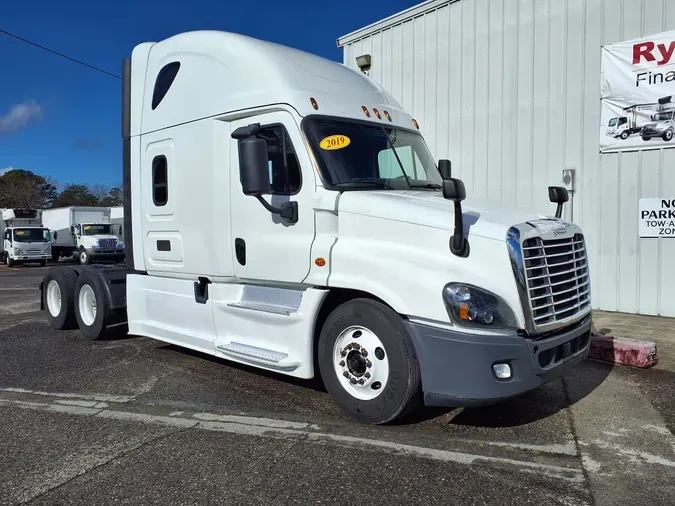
91,306
57,297
368,363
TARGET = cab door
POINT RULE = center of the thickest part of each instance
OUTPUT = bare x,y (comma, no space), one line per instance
264,245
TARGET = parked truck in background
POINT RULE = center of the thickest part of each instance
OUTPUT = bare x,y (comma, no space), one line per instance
83,233
24,239
117,220
290,216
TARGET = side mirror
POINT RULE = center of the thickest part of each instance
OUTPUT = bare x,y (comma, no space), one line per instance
254,171
72,229
444,168
253,168
55,234
453,189
558,195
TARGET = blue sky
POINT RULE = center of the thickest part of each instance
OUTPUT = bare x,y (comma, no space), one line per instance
62,120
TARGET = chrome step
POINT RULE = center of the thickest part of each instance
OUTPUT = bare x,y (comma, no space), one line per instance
261,306
257,355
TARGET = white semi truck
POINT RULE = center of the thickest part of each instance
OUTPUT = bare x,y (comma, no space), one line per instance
24,239
85,233
290,216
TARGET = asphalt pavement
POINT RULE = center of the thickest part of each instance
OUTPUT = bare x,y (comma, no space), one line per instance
130,420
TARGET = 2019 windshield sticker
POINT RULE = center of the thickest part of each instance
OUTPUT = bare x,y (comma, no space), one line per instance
333,142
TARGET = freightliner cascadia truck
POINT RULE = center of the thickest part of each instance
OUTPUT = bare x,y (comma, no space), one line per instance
283,211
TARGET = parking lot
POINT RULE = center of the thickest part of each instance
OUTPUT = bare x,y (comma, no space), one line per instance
137,421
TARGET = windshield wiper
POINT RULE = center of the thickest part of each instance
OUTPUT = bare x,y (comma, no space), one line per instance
430,186
366,180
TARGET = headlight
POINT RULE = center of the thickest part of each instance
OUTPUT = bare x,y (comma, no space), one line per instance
473,307
17,251
120,244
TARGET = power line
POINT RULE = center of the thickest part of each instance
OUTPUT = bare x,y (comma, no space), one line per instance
58,54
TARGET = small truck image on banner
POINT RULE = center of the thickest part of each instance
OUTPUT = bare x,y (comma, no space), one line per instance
638,84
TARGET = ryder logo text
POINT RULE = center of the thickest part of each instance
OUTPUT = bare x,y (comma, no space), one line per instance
650,52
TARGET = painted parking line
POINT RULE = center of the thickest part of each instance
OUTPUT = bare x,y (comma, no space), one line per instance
8,268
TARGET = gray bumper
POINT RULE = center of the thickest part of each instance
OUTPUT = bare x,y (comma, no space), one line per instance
456,367
99,252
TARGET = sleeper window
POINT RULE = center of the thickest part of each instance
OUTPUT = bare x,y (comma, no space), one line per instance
284,169
160,188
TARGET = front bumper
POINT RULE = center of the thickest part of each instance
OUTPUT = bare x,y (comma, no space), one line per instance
31,258
99,252
456,367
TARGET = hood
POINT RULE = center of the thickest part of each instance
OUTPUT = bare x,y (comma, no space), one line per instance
429,209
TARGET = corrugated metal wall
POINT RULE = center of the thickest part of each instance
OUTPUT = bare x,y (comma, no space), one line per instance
509,90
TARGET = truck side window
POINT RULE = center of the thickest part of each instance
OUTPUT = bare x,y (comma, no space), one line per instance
163,82
284,168
160,185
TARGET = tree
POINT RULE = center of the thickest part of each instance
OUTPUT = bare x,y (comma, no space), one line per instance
24,189
100,191
114,197
76,195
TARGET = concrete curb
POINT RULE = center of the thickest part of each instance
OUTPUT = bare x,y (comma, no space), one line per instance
623,351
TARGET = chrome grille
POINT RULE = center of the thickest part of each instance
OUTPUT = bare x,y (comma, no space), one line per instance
557,278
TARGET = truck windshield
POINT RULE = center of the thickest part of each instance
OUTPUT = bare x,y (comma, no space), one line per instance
101,229
355,155
612,122
31,235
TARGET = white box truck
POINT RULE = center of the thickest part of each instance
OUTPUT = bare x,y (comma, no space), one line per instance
83,232
24,239
117,220
290,216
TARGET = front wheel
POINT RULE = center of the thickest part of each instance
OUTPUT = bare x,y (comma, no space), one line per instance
9,261
624,135
84,257
667,135
368,363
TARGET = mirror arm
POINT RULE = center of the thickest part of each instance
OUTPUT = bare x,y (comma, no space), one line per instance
288,210
558,211
459,246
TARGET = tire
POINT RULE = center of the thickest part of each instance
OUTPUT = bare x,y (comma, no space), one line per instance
55,256
9,261
378,328
645,138
43,263
667,135
624,135
91,306
63,317
83,257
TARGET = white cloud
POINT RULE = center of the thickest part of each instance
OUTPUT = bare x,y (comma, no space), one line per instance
3,171
19,115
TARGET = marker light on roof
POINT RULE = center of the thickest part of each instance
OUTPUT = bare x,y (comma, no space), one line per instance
314,103
417,125
377,113
387,115
365,111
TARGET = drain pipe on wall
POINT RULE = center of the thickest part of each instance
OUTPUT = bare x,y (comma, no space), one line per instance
568,181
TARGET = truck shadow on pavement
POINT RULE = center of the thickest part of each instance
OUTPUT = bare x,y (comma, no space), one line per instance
533,406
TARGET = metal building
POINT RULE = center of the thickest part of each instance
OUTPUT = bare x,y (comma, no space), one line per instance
509,91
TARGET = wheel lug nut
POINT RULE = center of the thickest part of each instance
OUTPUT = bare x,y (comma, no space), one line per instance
356,346
364,352
361,381
367,375
343,353
353,381
342,363
369,363
345,374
